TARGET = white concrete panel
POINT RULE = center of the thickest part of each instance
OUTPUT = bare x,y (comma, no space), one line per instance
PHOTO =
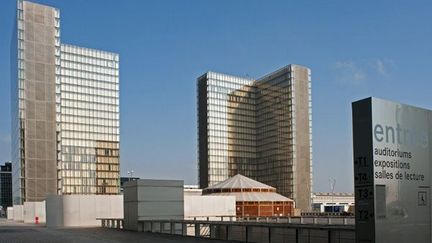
83,210
41,211
209,206
18,213
10,214
71,210
29,212
116,207
87,210
33,210
103,206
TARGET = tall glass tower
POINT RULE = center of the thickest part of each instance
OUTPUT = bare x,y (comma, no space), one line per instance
259,128
65,111
89,137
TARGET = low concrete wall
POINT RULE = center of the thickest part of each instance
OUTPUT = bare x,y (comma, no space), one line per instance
82,210
18,213
211,207
10,214
33,210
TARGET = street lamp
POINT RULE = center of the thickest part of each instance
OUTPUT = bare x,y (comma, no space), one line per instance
130,173
332,187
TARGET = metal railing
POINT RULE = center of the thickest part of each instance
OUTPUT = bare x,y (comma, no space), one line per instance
245,231
322,220
328,220
111,222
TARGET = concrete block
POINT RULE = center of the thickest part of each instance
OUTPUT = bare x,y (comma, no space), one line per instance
10,214
18,213
54,211
82,210
152,199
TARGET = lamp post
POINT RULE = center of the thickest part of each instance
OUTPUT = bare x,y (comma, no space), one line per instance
332,186
130,173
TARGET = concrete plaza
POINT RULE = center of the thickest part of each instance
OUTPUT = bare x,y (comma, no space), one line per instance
19,232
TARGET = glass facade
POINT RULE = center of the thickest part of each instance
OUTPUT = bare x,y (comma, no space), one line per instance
5,185
65,106
89,138
229,141
258,128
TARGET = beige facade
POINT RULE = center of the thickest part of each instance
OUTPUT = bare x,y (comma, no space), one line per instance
35,122
303,138
107,167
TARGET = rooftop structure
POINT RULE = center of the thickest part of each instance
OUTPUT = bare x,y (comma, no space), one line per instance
326,202
192,190
253,198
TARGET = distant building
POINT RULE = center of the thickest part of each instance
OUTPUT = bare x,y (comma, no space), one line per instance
258,128
65,111
253,198
5,186
126,179
192,190
325,202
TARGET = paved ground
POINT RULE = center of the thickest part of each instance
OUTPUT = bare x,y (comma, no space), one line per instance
19,232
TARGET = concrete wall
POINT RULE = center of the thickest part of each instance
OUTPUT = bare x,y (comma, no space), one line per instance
192,192
213,207
152,199
54,211
10,214
82,210
18,213
33,210
302,167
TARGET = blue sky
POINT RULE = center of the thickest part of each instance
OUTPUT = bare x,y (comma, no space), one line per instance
355,49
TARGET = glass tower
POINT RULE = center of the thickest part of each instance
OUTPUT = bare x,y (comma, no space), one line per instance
89,121
65,111
258,128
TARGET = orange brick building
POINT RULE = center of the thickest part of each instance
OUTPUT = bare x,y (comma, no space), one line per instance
253,198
